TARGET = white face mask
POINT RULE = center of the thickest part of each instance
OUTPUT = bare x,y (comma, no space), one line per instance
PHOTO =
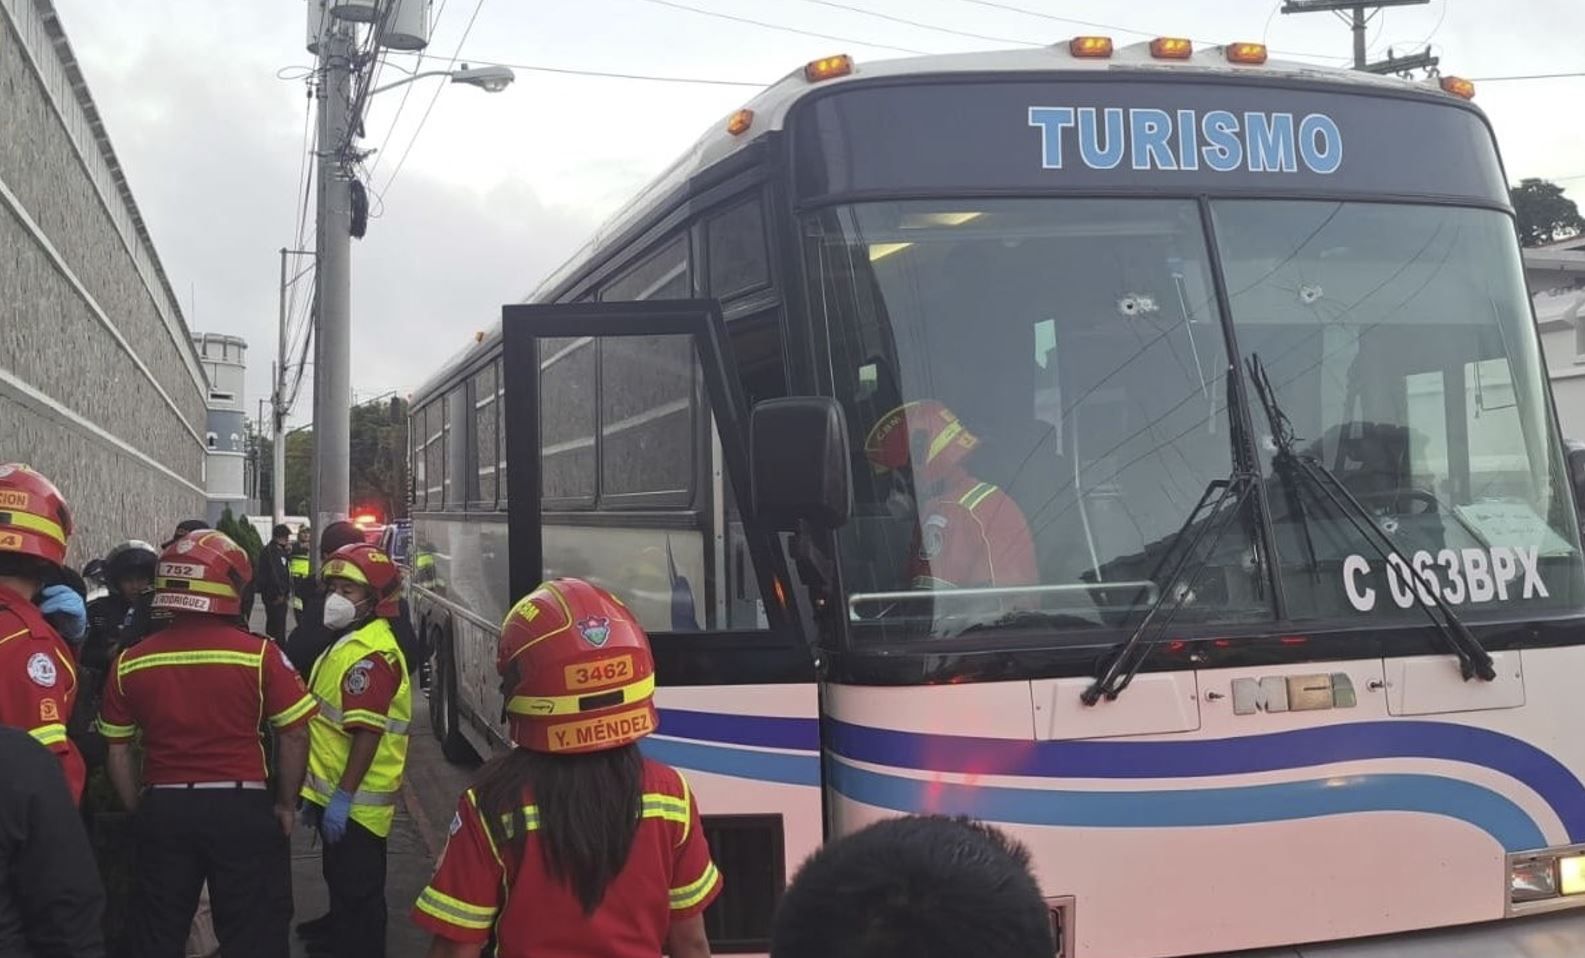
340,612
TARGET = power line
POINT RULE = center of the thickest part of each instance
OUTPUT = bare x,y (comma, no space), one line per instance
1529,76
922,26
785,29
1119,29
653,78
418,131
407,91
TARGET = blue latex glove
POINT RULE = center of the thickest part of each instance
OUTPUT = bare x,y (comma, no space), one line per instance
66,611
333,824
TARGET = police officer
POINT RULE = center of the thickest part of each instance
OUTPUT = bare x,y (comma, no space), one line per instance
970,534
38,674
300,568
574,844
198,691
273,581
357,748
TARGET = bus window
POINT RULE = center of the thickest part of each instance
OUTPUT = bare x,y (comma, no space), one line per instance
664,275
1074,352
459,421
736,249
500,438
648,418
416,436
434,455
567,421
1390,335
485,453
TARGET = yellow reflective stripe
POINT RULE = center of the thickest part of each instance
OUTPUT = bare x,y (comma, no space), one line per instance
943,439
474,801
687,808
665,806
13,635
325,790
156,660
287,716
116,731
53,734
568,704
342,569
393,726
692,894
33,523
976,495
453,911
195,585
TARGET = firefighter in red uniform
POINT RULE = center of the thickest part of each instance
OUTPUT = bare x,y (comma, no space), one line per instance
574,844
198,690
971,534
38,674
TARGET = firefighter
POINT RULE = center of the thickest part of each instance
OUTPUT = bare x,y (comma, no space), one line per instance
970,534
357,748
198,691
574,843
38,673
300,568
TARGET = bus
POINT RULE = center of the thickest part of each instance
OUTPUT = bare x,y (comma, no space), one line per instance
1287,624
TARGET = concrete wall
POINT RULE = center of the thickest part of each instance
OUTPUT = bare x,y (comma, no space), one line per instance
100,388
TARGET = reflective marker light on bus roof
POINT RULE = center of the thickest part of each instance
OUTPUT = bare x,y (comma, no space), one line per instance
1571,874
740,122
1098,48
1458,86
1533,880
1171,48
827,68
1254,53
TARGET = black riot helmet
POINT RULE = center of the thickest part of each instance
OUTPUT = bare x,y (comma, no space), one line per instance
133,557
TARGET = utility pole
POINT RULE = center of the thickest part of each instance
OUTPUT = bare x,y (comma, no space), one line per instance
1358,19
333,291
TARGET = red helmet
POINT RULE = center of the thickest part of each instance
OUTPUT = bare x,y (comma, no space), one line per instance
580,677
34,519
203,571
372,569
924,433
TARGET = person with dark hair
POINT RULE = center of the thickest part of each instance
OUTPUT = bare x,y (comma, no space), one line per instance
272,581
38,671
357,748
51,899
574,843
182,528
917,887
116,620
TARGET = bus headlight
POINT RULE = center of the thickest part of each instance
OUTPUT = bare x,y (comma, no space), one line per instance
1532,880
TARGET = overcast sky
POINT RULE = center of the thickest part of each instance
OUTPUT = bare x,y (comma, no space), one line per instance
498,189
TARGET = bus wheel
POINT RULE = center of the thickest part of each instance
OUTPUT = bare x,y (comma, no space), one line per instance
443,706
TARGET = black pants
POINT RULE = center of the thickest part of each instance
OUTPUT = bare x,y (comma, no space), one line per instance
355,874
231,839
275,621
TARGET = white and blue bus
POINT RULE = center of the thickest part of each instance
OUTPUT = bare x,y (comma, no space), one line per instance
1248,346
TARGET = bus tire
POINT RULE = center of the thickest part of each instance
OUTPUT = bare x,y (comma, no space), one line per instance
443,706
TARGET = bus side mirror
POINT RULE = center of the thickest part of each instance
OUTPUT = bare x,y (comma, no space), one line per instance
798,448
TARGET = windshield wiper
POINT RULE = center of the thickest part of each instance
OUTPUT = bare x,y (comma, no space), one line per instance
1473,659
1123,665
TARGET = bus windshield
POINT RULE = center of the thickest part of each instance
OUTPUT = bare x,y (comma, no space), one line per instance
1037,393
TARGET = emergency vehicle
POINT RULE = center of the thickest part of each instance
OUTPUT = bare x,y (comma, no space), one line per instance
1248,345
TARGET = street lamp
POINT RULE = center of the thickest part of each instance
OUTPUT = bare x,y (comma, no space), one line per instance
490,79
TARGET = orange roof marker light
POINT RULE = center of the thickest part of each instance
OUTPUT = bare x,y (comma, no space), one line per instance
828,68
1252,53
1458,86
1171,48
1093,48
740,122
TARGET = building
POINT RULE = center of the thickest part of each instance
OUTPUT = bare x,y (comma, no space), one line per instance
224,360
1556,277
100,387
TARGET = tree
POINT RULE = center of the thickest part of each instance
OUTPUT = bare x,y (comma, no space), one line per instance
378,461
1545,215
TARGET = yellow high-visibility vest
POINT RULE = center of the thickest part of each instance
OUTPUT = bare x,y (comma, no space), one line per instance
300,569
329,744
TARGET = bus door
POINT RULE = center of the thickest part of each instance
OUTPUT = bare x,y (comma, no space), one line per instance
626,435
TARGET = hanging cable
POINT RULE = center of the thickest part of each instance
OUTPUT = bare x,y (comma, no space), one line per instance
402,161
922,26
776,26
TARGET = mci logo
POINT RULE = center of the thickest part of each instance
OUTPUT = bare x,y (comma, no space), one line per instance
1294,693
